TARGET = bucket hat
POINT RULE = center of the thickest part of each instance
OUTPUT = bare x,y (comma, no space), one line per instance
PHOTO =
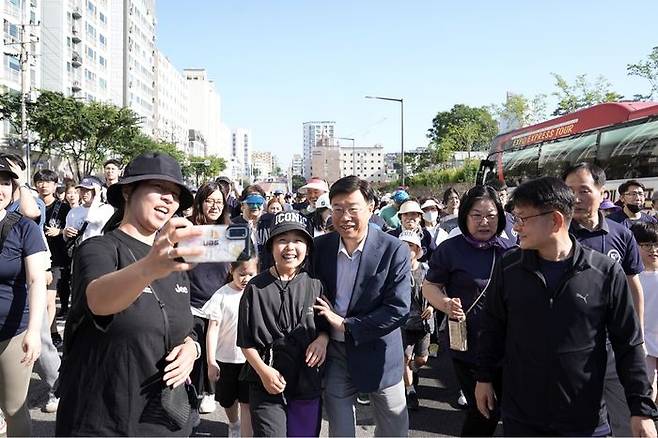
151,165
431,203
289,221
412,237
410,207
399,196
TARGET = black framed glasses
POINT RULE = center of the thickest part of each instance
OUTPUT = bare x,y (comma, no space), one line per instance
519,220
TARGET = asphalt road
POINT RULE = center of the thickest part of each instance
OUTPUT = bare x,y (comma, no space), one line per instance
438,414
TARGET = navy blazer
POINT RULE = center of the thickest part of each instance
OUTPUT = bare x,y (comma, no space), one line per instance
378,307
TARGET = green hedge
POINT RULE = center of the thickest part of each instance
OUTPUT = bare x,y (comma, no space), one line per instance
439,177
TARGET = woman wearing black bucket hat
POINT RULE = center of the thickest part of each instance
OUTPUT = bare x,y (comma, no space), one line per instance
127,343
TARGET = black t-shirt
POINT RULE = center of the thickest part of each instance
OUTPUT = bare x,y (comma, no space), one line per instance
269,310
205,280
111,374
554,272
56,217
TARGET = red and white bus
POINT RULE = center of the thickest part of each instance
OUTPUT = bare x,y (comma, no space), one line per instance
620,137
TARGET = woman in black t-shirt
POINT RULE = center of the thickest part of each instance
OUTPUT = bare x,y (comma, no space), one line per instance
128,333
210,208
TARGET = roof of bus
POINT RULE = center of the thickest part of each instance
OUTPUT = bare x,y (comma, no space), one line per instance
597,116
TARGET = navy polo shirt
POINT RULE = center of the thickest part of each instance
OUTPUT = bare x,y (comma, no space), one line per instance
621,218
465,271
612,239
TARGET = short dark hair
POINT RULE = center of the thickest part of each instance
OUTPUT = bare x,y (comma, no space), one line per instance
645,232
479,193
350,184
114,161
449,191
497,185
45,175
545,193
598,174
630,183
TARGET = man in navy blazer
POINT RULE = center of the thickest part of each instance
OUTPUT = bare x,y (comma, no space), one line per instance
367,277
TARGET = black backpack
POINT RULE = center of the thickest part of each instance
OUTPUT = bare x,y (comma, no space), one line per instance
7,224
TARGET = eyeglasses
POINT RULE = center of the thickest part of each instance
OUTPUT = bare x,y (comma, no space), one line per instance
213,202
634,194
352,211
477,218
519,220
651,247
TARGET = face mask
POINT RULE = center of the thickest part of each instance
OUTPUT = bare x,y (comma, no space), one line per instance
431,216
633,208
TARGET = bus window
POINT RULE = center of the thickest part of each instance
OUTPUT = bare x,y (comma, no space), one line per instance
520,165
558,156
629,152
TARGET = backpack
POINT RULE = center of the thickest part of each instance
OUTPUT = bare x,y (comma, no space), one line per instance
7,224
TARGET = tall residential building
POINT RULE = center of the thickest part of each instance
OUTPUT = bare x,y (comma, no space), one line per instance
15,13
314,132
264,162
297,165
171,103
241,147
365,162
132,56
75,39
205,109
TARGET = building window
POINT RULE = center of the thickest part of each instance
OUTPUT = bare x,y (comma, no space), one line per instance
102,39
102,17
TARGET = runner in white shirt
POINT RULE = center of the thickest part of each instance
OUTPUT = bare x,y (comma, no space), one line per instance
225,358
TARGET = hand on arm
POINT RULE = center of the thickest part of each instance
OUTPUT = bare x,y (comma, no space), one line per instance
317,350
435,294
323,308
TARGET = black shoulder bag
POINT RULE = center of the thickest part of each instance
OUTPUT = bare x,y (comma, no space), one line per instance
176,402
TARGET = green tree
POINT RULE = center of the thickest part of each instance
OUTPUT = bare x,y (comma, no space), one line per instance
83,133
142,143
461,128
297,182
519,110
203,168
582,93
647,69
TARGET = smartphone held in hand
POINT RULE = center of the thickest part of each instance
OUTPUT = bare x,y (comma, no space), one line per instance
222,243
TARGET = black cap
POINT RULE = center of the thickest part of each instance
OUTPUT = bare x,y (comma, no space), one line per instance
151,165
5,168
289,221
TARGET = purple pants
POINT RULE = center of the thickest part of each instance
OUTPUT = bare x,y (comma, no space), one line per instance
303,418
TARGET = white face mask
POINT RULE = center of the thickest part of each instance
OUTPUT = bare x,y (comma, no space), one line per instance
431,216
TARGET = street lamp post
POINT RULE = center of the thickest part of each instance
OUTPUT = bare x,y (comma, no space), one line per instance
353,153
401,101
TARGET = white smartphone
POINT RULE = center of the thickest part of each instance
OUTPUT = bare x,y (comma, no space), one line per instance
222,243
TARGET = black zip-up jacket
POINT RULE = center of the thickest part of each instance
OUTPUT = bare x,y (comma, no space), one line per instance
553,347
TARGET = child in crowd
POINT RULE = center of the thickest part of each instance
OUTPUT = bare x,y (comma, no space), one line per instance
225,359
417,329
282,338
646,235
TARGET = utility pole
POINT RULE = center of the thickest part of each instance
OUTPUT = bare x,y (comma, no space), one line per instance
24,56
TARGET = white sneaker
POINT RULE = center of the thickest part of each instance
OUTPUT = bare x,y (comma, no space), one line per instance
3,425
52,404
461,401
208,404
234,429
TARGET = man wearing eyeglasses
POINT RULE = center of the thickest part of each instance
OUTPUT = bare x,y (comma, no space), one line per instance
550,307
603,235
632,195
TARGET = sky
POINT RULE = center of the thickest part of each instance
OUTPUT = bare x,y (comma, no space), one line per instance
279,63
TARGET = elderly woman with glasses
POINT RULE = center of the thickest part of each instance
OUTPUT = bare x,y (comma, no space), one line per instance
459,272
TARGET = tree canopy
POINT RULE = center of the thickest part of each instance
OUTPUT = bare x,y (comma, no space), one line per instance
582,93
647,69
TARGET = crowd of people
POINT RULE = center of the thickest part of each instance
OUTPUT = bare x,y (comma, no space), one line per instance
544,299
